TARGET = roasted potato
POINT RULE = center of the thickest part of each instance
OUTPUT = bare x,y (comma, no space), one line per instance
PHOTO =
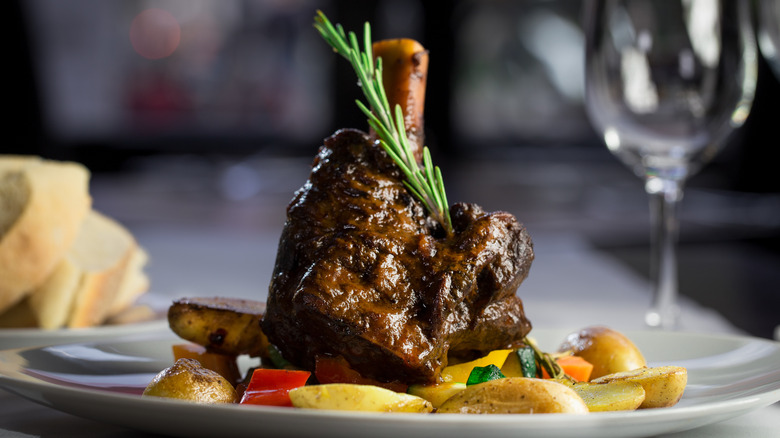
438,393
225,325
188,380
515,395
354,397
608,350
610,396
664,386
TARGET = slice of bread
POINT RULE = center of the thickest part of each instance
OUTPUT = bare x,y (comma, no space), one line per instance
42,205
100,275
51,302
134,283
103,255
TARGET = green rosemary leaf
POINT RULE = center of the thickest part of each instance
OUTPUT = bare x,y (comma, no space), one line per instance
417,194
400,133
368,44
424,183
445,205
428,165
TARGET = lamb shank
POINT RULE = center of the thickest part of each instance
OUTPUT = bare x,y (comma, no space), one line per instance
364,273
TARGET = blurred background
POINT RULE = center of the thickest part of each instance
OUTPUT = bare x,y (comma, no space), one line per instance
205,115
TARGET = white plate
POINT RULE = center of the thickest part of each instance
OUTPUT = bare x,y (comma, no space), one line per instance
728,376
34,337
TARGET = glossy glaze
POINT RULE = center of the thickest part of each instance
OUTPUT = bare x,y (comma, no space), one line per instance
363,272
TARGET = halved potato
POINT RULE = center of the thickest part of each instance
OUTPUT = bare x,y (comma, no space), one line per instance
224,325
354,397
515,395
188,380
664,386
610,396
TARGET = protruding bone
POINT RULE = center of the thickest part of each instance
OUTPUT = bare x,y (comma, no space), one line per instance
405,72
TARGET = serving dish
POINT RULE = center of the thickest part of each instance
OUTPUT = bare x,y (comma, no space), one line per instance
34,337
154,321
102,380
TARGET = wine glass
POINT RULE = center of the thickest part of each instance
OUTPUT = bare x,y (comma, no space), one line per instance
667,81
769,32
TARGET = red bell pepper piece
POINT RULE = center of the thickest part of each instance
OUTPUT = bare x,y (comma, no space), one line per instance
271,387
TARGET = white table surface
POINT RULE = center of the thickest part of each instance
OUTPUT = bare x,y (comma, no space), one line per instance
190,261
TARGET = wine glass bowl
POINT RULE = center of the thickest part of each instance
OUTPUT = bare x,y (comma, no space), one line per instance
667,82
768,17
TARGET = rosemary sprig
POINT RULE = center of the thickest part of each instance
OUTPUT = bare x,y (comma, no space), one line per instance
425,181
547,361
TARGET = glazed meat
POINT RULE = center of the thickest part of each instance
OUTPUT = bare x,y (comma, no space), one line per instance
363,272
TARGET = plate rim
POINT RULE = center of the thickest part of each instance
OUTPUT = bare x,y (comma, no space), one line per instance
26,386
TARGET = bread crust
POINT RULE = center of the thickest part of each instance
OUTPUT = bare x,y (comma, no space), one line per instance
100,275
32,246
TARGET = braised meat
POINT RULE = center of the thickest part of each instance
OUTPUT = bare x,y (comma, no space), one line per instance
362,272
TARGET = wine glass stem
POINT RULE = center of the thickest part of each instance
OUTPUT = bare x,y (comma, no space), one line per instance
664,198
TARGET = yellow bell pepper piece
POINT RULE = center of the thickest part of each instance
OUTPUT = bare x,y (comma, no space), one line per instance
460,372
512,366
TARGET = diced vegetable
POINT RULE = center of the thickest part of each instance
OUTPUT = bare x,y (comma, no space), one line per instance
461,371
664,386
224,364
351,397
484,374
521,363
271,387
527,361
515,395
574,366
437,394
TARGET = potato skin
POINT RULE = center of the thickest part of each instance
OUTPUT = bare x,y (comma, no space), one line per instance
617,395
224,325
515,395
188,380
664,386
608,350
356,397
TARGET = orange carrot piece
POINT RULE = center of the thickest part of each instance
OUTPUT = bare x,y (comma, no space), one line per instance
576,367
